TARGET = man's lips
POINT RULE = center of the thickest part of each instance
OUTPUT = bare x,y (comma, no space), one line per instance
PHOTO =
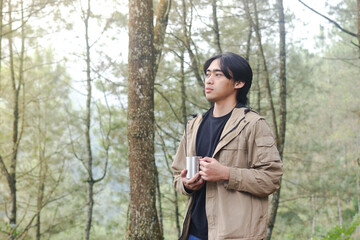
207,90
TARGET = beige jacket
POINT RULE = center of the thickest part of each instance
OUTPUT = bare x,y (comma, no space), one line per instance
237,208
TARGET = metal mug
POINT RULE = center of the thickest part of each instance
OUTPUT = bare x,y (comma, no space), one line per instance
192,166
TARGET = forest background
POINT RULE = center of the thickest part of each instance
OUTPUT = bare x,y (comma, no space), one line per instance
64,101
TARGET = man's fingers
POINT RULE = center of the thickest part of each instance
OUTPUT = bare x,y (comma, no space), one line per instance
195,183
205,159
183,173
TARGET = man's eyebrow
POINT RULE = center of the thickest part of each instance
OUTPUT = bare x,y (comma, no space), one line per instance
214,70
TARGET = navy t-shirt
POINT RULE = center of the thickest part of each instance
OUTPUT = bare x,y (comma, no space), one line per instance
206,141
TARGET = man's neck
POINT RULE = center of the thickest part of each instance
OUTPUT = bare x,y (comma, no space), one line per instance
221,109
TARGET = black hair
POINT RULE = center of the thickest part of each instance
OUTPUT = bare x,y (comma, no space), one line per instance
235,68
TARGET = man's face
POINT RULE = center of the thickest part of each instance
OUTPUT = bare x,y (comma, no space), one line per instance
218,88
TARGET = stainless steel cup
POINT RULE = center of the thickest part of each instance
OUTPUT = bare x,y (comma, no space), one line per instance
192,166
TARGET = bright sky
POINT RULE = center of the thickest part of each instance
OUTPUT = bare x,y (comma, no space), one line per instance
307,22
67,43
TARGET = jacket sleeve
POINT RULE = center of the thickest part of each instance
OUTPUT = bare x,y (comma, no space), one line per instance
262,177
177,166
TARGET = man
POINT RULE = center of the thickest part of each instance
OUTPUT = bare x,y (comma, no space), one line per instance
240,165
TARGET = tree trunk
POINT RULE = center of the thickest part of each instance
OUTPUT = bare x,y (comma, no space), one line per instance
265,70
89,156
1,33
41,187
216,27
282,78
184,119
143,222
158,193
248,49
12,172
17,124
358,24
162,16
16,135
248,44
339,209
41,174
358,196
258,88
282,128
313,207
187,25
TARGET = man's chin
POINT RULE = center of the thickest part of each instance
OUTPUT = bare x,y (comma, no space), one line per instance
209,98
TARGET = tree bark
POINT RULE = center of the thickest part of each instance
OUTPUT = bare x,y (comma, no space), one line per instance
248,44
256,28
41,178
339,209
17,122
187,25
282,78
158,193
1,34
358,24
313,207
143,222
258,88
162,17
282,128
184,119
248,49
175,202
16,131
183,86
15,91
358,198
216,27
89,156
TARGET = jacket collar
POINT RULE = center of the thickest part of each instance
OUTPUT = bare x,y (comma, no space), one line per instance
233,127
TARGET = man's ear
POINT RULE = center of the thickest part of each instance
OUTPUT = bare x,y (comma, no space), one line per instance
239,85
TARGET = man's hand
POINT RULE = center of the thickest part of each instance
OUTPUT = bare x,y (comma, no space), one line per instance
194,183
211,170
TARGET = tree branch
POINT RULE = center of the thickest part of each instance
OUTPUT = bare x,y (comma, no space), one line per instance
330,20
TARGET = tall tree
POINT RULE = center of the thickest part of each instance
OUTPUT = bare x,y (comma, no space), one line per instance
143,222
1,33
162,17
282,112
89,156
88,162
216,27
358,23
188,42
17,83
264,65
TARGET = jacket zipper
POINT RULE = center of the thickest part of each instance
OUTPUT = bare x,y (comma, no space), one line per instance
232,129
245,112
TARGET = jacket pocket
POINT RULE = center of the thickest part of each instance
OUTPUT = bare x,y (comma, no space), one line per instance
265,141
266,149
234,154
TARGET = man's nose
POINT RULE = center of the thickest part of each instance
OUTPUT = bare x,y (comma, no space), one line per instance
209,79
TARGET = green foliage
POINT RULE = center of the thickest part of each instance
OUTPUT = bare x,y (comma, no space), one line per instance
7,229
342,232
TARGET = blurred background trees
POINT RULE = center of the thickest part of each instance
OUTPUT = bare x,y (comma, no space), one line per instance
59,136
